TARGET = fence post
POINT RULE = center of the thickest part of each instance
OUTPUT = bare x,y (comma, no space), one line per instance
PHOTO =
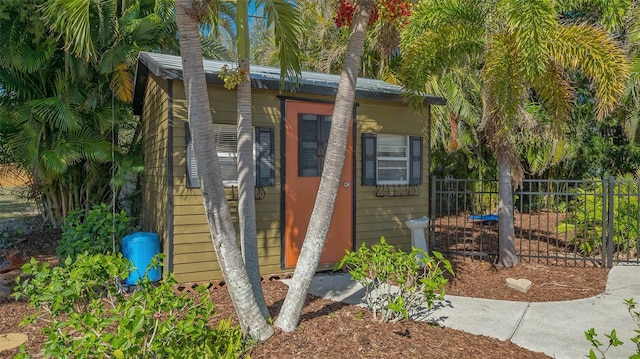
605,222
432,213
610,211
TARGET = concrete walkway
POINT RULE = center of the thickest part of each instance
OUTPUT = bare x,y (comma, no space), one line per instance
554,328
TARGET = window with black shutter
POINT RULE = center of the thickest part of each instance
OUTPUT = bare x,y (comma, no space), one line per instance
226,145
391,159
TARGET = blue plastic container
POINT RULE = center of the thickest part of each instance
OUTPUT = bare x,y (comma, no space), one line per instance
139,248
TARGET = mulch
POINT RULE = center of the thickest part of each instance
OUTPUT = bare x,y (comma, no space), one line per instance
331,329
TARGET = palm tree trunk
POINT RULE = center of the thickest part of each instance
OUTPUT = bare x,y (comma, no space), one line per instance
334,161
223,233
506,232
246,177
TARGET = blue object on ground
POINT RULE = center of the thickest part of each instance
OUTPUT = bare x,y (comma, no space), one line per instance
484,217
139,248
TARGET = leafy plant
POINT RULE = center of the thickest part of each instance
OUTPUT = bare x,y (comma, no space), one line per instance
88,316
587,217
397,284
612,337
99,231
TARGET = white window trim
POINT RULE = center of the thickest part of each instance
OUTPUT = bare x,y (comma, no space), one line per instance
231,154
406,159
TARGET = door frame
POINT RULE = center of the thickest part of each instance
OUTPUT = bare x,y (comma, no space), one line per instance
283,136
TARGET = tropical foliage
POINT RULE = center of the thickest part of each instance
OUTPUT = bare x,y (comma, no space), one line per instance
524,55
98,231
65,84
84,296
586,225
397,285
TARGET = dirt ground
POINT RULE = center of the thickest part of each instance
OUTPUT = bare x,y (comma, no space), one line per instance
329,329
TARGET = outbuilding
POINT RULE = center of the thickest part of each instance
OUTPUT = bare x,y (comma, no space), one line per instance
385,179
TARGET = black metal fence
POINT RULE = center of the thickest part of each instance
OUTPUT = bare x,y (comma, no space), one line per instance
568,222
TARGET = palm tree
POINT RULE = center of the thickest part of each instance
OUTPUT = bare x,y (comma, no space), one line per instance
523,52
223,233
211,184
329,182
68,72
284,18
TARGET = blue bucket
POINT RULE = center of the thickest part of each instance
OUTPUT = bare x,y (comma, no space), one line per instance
139,248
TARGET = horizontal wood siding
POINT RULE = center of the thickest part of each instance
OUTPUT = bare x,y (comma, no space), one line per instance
376,216
155,139
194,257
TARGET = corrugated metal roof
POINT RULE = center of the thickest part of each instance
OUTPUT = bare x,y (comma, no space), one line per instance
169,67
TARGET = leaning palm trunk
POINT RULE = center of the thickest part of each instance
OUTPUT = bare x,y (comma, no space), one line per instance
246,178
507,256
223,233
323,209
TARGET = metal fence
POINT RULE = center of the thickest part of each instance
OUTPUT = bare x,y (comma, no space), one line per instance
567,222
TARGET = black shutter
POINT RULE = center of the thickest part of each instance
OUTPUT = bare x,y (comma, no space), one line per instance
190,155
415,160
265,163
308,145
369,159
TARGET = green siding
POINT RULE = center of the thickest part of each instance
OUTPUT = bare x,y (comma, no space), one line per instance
385,216
191,232
194,258
155,141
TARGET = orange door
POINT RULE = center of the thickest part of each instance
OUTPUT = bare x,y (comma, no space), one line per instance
307,130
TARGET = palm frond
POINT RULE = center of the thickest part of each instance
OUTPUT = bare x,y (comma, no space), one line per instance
212,48
555,92
57,112
590,50
504,81
530,21
284,16
122,83
608,13
439,36
71,19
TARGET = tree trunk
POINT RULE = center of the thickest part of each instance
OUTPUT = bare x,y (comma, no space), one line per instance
334,161
246,177
223,233
506,233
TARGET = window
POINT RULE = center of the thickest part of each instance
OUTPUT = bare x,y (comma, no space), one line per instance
226,143
314,136
391,159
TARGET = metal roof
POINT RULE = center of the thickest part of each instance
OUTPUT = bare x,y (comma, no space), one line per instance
169,67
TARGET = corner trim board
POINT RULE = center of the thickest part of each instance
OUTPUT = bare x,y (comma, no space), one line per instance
170,180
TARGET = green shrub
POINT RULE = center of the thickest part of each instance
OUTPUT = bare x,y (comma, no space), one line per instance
586,219
94,232
612,337
418,277
87,316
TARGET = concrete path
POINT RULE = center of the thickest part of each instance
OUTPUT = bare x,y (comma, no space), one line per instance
554,328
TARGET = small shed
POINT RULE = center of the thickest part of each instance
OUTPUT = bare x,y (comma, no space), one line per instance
385,179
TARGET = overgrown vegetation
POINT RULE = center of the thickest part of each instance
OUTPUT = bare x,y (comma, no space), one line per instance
398,285
88,316
612,337
97,231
